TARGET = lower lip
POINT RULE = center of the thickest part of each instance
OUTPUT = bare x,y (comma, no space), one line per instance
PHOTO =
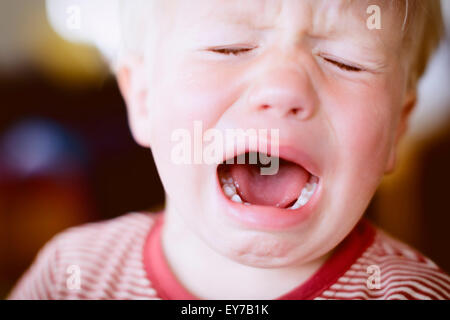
264,217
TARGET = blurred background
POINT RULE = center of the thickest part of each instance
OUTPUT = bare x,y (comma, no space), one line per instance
67,156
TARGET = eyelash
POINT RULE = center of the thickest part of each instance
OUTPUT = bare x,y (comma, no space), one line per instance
239,51
231,51
343,66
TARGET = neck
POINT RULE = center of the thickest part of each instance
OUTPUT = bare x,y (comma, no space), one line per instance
210,275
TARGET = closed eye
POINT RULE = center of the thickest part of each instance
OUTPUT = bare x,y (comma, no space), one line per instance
230,51
343,66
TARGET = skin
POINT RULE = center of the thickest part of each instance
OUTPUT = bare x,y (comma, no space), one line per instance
348,120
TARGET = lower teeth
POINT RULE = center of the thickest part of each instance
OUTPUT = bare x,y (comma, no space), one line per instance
236,198
229,189
305,195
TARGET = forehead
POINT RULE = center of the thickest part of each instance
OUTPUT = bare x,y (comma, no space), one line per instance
321,18
266,11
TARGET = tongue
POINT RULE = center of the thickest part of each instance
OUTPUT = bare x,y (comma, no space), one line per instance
279,190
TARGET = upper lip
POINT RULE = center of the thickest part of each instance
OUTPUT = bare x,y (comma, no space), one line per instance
285,151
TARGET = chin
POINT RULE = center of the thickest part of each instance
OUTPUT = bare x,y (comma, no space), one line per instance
256,249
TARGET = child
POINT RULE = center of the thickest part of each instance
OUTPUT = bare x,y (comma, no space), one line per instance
334,82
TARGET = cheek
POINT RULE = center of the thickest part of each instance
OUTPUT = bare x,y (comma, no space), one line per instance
196,92
188,92
364,122
185,93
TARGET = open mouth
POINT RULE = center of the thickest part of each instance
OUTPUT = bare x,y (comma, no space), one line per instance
291,187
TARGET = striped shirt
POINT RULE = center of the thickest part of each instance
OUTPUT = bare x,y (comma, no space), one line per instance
122,258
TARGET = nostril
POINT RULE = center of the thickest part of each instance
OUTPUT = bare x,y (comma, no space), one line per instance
285,111
294,111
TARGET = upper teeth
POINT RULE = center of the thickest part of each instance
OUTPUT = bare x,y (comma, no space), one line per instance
229,189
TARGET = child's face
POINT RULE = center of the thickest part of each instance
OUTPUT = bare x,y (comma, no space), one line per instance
312,69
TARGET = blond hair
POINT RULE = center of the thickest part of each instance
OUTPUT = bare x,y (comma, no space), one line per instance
424,32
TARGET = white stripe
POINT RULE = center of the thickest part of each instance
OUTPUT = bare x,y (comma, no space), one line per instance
424,274
383,282
350,295
408,266
393,281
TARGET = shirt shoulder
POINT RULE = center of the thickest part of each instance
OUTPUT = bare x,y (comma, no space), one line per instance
391,270
98,260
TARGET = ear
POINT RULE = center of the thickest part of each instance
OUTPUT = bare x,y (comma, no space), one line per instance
133,86
402,127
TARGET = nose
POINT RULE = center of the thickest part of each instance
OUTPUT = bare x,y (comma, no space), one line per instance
286,93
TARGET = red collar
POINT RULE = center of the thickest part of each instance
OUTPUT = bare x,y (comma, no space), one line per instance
350,249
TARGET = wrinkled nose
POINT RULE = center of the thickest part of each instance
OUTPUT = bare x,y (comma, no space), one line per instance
284,94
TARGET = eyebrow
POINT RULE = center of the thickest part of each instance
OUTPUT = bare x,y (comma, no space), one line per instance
246,20
246,17
242,15
334,20
326,16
